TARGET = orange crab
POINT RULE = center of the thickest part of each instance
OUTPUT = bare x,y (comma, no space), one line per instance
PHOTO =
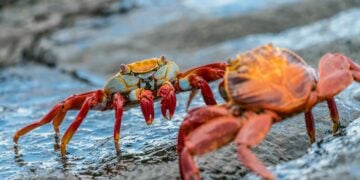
262,87
140,81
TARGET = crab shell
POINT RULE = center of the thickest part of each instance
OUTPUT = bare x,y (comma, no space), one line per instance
269,78
148,73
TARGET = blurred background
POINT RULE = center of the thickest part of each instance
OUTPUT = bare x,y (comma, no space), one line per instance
50,49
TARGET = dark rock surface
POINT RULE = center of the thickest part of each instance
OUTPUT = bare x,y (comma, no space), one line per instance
185,34
335,156
23,23
82,42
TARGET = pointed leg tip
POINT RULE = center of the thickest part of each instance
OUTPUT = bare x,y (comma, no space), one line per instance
117,146
15,139
63,153
312,140
63,150
336,128
269,177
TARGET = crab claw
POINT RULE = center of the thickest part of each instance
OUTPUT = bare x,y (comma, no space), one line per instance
147,105
205,89
168,100
197,117
198,78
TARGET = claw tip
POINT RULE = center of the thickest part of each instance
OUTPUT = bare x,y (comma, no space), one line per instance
149,120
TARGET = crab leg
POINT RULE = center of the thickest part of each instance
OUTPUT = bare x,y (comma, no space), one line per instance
310,125
336,72
251,134
198,78
58,120
208,137
197,117
118,103
334,114
198,82
90,101
168,100
57,113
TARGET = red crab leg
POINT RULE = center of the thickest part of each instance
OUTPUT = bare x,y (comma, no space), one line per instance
336,72
58,112
251,134
90,101
147,105
310,125
208,137
198,78
197,117
58,120
334,114
118,103
208,96
168,100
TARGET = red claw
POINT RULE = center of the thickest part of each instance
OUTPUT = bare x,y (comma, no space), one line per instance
205,90
197,117
147,105
198,78
168,100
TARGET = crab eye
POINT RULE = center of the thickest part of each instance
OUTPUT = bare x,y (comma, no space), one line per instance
124,69
162,60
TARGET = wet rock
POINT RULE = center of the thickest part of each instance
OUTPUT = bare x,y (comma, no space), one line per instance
147,152
29,91
310,41
185,34
191,35
23,23
331,158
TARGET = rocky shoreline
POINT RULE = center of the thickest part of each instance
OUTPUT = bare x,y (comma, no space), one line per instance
79,44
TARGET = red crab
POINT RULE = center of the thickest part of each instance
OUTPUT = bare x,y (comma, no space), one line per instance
140,81
262,87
